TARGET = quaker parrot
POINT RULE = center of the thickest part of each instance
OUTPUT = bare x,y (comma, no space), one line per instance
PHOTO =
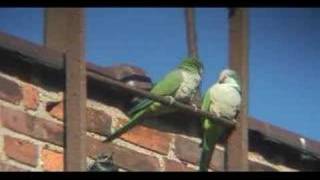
223,98
180,84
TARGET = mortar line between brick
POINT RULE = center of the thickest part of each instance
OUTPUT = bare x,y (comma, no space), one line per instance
251,157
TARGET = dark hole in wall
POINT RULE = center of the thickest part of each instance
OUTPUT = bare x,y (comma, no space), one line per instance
280,153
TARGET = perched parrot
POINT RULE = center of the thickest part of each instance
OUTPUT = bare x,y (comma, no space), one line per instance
223,98
180,84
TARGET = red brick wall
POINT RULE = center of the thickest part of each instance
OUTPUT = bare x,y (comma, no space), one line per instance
31,134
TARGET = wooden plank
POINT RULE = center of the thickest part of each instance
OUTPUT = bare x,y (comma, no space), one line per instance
192,45
237,143
75,116
64,32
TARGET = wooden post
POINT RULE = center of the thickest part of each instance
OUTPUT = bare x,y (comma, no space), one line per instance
191,32
64,32
237,143
192,45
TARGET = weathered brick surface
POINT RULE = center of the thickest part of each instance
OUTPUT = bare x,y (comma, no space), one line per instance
52,160
255,166
146,137
21,150
97,121
4,167
123,157
32,126
10,91
56,109
171,165
189,151
30,97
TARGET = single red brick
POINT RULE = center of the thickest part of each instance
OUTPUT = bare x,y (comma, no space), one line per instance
56,110
189,151
35,127
171,165
52,160
10,91
98,121
21,150
30,97
147,137
125,158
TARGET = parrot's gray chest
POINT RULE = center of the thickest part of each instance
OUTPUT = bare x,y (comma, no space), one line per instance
225,100
188,86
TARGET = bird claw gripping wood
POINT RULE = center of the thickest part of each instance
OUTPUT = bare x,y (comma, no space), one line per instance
195,107
171,99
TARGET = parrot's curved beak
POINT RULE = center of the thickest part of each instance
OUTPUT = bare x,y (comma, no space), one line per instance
222,79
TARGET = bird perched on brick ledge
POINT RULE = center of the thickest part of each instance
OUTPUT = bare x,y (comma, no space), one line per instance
223,98
180,84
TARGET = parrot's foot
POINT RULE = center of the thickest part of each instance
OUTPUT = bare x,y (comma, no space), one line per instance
171,99
195,107
234,121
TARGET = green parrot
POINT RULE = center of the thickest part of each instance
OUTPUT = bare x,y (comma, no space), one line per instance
180,84
223,98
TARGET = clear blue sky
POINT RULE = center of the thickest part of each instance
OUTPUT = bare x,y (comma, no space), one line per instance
284,51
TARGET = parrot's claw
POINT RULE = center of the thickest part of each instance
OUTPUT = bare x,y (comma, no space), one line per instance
171,99
195,107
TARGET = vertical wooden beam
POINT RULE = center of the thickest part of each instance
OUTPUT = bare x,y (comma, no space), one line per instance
191,32
64,32
237,143
192,44
75,114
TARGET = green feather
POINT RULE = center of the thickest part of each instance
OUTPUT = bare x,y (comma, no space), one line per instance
168,85
142,105
210,135
130,124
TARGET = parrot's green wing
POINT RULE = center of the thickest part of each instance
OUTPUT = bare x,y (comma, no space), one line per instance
210,135
206,101
166,87
143,104
169,84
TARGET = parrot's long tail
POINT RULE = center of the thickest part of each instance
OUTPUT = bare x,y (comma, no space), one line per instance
130,124
209,141
205,157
